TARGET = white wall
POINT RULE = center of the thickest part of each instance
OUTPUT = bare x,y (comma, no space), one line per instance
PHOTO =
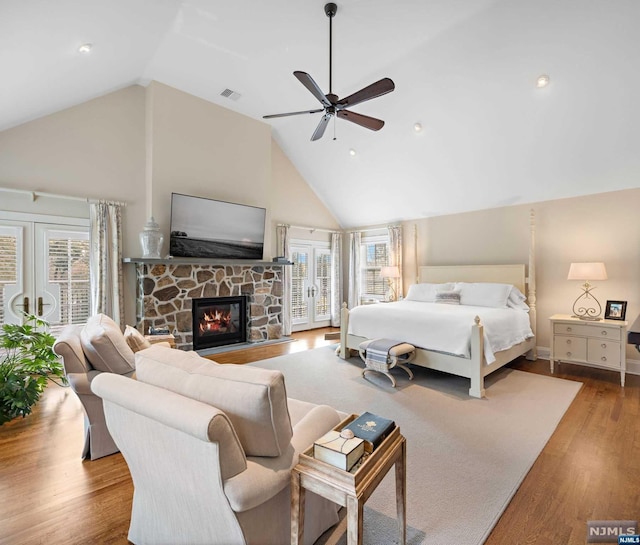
601,227
139,145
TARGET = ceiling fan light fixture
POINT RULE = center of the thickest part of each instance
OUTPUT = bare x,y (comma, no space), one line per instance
542,81
85,49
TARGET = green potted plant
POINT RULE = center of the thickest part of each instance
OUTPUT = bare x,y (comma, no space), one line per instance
27,363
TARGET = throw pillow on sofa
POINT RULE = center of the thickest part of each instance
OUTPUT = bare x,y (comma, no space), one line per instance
135,339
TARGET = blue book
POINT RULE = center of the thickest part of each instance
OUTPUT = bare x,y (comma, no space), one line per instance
371,427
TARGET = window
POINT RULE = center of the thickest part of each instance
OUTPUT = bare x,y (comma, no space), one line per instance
374,256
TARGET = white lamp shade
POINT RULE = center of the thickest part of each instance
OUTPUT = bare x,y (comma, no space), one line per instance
587,271
389,272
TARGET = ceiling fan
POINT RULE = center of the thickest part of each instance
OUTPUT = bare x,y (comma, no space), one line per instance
331,104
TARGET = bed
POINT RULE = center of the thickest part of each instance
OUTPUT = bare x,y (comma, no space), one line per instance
472,352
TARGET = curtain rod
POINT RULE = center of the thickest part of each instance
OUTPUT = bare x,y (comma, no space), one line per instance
35,194
308,228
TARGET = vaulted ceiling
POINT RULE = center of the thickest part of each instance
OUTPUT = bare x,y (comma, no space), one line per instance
465,70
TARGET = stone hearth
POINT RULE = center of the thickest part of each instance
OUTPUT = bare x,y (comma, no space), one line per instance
165,291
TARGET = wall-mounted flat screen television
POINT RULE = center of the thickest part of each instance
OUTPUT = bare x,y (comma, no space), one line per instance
215,229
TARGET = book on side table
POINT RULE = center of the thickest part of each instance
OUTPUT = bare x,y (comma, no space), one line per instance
339,450
371,428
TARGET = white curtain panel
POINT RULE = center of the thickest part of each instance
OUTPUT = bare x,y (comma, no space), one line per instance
395,256
355,240
282,233
336,278
105,263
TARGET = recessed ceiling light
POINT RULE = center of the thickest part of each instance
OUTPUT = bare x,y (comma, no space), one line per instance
417,127
352,152
542,81
85,48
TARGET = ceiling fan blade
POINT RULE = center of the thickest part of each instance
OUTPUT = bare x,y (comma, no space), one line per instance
362,120
310,84
379,88
317,134
293,113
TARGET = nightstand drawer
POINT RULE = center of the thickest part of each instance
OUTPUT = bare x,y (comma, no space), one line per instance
603,352
572,348
592,330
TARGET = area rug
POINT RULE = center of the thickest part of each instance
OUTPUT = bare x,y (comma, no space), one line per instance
466,457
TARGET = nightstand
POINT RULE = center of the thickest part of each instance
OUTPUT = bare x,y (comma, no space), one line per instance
595,344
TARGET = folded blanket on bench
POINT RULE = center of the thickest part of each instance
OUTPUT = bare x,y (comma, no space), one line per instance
378,349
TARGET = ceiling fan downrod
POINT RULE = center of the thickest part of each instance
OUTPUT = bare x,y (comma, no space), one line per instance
330,10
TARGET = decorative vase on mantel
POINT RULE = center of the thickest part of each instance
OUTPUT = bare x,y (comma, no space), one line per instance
151,239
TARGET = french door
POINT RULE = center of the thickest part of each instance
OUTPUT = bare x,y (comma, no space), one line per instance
44,270
310,285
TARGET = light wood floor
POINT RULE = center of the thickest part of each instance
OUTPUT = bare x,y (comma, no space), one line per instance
589,470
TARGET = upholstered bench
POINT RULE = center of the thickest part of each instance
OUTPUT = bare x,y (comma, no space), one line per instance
398,355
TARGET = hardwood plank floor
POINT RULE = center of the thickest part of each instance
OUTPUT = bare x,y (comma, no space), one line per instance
589,470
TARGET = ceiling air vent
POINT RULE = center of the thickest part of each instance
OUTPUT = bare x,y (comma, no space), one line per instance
228,93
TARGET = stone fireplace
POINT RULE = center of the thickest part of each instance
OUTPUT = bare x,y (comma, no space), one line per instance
166,289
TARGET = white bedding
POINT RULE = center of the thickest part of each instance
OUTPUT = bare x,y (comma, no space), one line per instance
439,327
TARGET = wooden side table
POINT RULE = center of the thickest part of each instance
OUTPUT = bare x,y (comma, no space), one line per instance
153,339
350,489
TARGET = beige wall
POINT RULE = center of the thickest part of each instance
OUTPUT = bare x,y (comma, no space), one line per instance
139,145
601,227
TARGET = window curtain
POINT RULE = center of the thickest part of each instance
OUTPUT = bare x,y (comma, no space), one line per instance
355,241
105,261
395,256
282,233
336,278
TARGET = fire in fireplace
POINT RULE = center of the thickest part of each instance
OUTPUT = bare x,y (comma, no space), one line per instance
218,321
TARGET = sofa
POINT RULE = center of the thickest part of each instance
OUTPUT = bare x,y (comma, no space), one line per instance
210,448
88,350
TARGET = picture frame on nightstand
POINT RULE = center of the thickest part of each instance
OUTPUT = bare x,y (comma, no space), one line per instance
615,310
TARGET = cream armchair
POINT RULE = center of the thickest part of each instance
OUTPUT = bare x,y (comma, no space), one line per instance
210,449
87,351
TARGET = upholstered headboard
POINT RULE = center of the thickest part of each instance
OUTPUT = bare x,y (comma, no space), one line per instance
504,274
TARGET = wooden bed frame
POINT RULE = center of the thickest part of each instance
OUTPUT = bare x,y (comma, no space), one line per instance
475,367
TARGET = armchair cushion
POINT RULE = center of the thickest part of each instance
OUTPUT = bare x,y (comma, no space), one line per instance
105,346
254,399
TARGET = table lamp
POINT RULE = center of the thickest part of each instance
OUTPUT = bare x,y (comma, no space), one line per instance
586,306
390,273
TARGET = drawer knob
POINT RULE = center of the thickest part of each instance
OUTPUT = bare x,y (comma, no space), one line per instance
603,345
568,329
603,333
569,354
603,358
568,341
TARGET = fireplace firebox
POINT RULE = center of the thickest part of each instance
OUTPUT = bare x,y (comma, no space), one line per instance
218,321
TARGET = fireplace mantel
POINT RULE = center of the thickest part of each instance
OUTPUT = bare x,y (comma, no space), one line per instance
202,261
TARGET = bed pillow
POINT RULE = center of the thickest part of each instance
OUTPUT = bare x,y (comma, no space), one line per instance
426,292
448,297
484,294
517,300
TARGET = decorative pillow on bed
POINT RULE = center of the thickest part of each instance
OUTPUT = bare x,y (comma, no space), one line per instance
517,299
426,292
449,297
484,294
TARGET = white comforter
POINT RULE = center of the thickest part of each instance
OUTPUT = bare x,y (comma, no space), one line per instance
440,327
